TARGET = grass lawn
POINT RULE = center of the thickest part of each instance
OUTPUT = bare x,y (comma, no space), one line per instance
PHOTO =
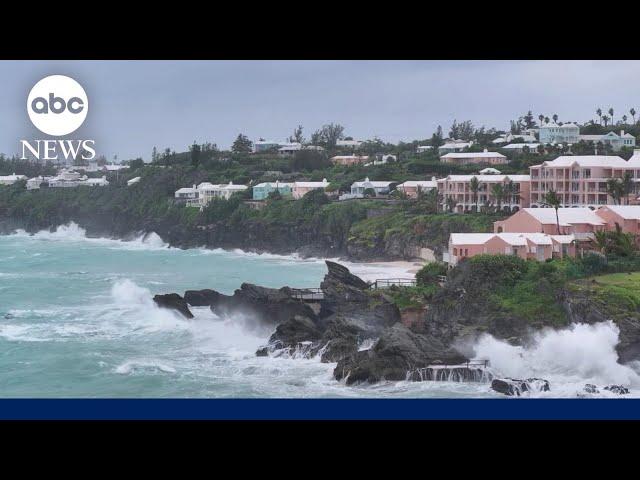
618,289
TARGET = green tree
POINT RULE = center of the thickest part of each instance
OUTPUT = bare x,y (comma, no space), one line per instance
551,199
599,113
541,118
194,151
605,119
497,190
627,186
297,135
611,113
632,111
474,186
242,144
614,190
555,117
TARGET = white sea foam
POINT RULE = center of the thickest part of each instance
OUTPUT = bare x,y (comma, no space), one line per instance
568,358
144,365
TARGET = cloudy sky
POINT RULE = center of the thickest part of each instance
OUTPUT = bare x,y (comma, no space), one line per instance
136,105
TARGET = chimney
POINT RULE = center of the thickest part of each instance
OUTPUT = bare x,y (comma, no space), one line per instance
324,180
433,179
485,150
622,133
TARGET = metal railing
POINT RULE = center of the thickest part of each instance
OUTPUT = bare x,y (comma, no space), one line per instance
393,282
307,294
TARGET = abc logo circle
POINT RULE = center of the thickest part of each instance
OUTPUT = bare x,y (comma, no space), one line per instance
57,105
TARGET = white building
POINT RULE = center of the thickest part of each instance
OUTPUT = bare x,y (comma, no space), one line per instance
616,141
133,181
201,195
186,193
96,182
289,148
552,133
11,179
358,189
522,147
510,137
454,146
424,148
35,182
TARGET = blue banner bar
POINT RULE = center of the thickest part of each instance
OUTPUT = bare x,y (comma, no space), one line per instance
320,409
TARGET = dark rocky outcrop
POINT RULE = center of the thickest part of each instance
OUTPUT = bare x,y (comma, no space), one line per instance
201,298
173,301
269,306
513,387
397,352
617,389
590,388
348,314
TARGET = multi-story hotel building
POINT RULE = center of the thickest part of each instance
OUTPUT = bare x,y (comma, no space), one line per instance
581,181
458,188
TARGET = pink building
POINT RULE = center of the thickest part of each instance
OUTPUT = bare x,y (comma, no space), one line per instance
581,181
411,187
349,159
535,246
627,216
458,188
573,221
301,188
465,158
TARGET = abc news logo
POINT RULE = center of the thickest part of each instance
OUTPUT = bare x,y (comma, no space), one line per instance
57,105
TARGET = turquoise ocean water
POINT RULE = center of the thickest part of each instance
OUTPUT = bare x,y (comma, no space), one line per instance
77,320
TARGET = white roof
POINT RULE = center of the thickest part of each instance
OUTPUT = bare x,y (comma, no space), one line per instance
419,183
359,157
13,177
133,180
366,182
587,161
490,171
628,212
487,178
455,145
323,183
473,155
515,239
187,190
273,184
566,216
532,146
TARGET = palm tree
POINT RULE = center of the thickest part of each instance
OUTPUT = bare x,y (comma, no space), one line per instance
605,119
555,117
601,239
551,199
627,186
624,119
614,190
541,118
599,113
498,193
546,119
509,192
451,203
611,113
632,111
474,186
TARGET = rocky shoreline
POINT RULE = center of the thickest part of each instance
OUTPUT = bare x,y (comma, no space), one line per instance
361,330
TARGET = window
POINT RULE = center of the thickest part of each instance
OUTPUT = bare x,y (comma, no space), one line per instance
455,251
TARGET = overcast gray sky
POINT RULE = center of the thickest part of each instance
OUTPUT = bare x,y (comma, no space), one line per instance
136,105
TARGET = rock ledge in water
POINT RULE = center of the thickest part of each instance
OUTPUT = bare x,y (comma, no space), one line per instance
173,301
619,389
513,387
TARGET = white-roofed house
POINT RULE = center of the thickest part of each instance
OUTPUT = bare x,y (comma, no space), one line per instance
300,189
424,148
580,180
185,194
611,138
456,190
96,182
11,179
626,216
133,181
261,191
465,158
289,148
349,159
581,222
522,147
412,188
552,133
536,246
489,171
454,146
358,189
